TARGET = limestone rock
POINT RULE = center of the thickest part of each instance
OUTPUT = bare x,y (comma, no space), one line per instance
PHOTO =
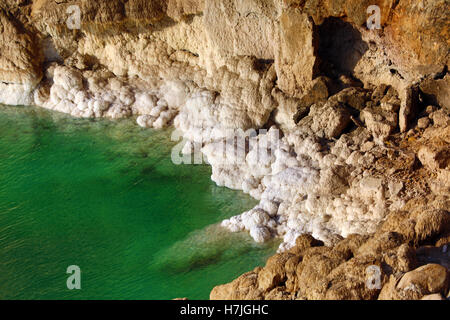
295,59
381,243
214,67
403,258
431,223
328,120
434,158
244,287
423,281
178,9
355,98
312,276
423,123
274,272
20,61
289,110
437,91
440,118
408,107
379,122
319,92
428,279
406,29
435,296
240,28
400,222
353,280
305,241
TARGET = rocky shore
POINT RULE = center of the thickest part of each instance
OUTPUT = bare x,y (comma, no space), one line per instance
340,131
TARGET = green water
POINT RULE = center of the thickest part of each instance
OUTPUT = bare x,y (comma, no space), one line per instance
106,197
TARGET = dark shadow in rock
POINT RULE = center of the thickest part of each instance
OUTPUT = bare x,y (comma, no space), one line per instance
340,47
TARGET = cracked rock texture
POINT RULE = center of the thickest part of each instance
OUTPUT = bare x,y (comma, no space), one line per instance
345,130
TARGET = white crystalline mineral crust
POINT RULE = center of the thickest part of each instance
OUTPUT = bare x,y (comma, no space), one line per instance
294,197
101,94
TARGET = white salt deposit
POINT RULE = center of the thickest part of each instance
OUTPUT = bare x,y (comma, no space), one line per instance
302,186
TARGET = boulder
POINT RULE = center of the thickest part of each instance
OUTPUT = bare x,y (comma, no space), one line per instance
440,118
274,272
244,287
431,223
428,279
303,242
423,281
295,58
355,98
328,120
434,157
379,122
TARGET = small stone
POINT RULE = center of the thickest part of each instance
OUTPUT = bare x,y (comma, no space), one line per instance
423,123
274,272
379,122
329,120
370,185
395,187
379,92
353,97
428,279
435,296
430,109
440,118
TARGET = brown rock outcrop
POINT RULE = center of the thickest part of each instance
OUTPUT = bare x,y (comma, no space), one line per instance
416,284
365,111
20,61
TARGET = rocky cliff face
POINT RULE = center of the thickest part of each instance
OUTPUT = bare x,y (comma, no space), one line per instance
359,120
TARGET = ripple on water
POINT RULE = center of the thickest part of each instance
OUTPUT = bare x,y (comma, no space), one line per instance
105,196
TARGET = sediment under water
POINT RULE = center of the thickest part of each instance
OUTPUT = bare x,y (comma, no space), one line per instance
105,196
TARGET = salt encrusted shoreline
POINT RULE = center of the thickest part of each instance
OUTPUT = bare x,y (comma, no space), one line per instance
357,121
305,185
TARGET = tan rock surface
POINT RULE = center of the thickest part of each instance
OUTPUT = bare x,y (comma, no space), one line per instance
364,116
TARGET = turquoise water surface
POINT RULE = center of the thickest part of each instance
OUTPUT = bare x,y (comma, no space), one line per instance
106,197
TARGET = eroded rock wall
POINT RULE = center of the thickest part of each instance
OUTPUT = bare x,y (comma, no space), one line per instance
357,118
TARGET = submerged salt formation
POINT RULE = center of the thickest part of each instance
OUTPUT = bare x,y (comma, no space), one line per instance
342,127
